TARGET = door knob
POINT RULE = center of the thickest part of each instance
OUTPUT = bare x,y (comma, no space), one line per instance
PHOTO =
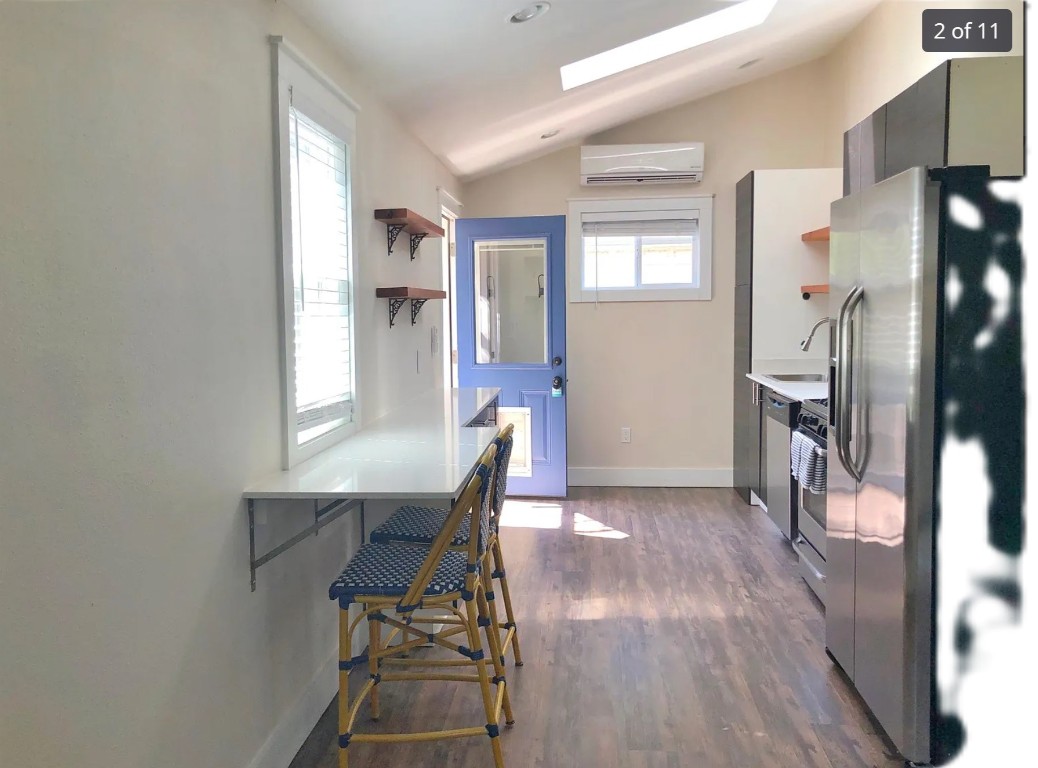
556,387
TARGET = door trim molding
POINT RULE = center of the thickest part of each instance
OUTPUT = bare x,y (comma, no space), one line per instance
652,477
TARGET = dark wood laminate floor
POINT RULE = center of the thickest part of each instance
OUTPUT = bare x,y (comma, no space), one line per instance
660,628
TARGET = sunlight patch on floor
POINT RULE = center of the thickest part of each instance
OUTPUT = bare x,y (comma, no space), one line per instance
585,526
531,514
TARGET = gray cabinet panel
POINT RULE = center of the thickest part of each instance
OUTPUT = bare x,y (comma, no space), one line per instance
746,425
744,230
864,152
962,112
851,162
746,420
917,125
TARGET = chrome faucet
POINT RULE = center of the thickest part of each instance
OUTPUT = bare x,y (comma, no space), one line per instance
806,343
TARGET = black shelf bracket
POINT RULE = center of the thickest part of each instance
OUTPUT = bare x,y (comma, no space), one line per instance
416,307
415,241
392,233
394,307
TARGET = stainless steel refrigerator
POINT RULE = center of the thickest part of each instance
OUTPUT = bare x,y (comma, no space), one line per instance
888,256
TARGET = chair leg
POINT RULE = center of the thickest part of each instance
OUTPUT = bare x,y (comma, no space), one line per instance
489,706
374,644
345,655
489,613
499,567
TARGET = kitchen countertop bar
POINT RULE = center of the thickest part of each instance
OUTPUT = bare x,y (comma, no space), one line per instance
423,450
795,390
420,450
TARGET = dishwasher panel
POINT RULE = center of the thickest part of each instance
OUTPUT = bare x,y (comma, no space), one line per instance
780,419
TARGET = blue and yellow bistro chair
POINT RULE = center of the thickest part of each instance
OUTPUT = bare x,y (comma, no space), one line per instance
392,579
420,525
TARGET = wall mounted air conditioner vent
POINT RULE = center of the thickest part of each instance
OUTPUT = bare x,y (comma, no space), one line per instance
642,164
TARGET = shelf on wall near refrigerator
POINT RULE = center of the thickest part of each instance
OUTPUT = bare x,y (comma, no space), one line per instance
808,290
816,236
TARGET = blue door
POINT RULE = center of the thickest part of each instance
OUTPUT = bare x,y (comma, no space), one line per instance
511,304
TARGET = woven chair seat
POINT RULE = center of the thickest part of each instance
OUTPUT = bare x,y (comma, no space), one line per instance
389,570
418,525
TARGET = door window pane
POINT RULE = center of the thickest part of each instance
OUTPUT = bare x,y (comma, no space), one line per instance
511,301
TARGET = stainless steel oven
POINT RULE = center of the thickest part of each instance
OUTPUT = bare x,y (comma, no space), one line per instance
811,520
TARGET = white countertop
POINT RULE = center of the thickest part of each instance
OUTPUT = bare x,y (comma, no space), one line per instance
797,390
421,449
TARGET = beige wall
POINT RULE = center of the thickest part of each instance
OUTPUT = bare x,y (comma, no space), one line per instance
665,368
882,56
140,386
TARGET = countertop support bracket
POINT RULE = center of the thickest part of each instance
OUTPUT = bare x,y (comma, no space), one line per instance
322,516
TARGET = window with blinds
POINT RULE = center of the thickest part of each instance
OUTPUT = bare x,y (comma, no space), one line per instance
645,249
632,252
315,125
319,182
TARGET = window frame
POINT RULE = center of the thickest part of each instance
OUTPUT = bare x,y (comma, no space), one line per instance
701,206
297,83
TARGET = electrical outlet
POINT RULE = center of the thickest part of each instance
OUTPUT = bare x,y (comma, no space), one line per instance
625,434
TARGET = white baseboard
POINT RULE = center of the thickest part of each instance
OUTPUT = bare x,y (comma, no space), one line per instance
297,723
651,477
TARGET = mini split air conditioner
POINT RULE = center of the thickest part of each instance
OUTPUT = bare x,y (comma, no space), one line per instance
642,164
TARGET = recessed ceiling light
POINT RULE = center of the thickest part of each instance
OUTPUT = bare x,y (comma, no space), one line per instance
714,26
749,63
550,134
529,12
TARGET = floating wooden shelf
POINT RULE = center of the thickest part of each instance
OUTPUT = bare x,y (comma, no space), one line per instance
399,220
398,295
816,235
807,290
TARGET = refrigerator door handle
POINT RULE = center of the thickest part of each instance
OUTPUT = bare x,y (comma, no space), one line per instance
856,459
856,470
838,392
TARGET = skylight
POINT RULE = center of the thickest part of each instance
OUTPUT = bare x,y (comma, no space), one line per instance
714,26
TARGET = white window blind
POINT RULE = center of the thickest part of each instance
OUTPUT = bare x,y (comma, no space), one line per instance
318,166
632,250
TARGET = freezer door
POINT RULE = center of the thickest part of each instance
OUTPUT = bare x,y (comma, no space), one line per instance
894,448
845,216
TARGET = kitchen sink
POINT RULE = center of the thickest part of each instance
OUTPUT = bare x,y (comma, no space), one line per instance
797,376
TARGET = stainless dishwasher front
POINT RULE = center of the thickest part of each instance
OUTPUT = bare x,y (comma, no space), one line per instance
780,420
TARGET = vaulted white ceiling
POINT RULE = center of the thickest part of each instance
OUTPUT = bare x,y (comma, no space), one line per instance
480,91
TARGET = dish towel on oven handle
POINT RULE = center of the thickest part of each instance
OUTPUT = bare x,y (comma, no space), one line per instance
807,461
